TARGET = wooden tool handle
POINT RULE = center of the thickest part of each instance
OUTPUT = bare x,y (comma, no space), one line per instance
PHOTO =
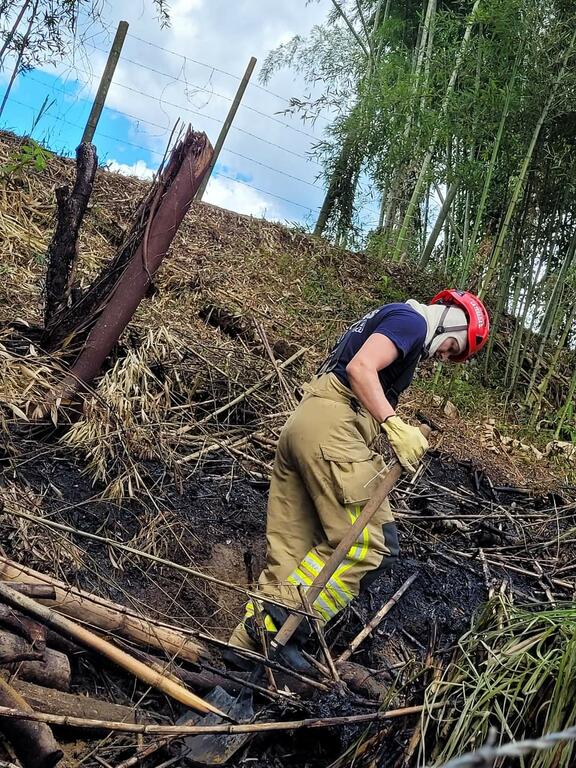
351,536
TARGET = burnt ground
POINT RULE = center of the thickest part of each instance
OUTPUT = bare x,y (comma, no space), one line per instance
459,532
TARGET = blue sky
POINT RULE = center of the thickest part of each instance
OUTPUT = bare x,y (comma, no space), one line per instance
189,71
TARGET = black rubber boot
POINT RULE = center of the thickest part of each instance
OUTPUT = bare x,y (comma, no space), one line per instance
290,655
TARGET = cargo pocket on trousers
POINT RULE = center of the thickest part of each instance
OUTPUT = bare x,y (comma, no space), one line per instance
354,471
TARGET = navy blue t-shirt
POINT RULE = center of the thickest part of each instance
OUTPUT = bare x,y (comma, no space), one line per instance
405,327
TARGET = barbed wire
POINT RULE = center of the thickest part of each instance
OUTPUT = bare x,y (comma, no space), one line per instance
216,69
204,116
487,755
210,91
166,130
161,154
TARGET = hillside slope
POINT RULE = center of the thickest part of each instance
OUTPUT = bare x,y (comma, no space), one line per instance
154,494
229,275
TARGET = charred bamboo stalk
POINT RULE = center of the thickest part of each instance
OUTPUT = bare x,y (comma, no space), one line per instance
63,248
32,740
114,654
106,615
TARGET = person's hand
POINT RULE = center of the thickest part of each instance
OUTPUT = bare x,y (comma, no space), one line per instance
408,442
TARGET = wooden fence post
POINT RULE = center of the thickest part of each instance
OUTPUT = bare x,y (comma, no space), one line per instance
105,82
226,127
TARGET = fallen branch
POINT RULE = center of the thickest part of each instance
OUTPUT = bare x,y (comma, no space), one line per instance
196,730
116,655
376,619
216,446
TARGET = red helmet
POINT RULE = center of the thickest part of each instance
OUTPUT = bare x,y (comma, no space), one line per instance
478,320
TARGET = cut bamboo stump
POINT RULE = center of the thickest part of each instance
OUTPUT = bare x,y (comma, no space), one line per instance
116,655
106,615
33,742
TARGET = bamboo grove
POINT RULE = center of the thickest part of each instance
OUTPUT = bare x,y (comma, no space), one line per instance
460,117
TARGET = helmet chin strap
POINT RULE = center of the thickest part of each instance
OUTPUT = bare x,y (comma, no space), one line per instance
440,329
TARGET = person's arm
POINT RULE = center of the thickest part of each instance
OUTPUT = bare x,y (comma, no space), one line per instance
377,352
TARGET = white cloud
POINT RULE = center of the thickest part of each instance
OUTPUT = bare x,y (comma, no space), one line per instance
223,192
138,169
237,197
223,34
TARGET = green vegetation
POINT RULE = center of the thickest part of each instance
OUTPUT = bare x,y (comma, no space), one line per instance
460,117
515,671
29,156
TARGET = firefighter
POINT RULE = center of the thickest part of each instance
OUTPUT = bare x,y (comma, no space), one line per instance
325,467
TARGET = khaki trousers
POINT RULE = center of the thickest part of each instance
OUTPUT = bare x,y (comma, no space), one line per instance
324,472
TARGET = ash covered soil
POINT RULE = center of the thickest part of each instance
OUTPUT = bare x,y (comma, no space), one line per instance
460,533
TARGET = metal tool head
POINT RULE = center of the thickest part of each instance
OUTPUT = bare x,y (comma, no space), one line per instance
216,748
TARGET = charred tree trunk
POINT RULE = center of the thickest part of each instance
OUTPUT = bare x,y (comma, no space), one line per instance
102,313
63,248
60,703
47,667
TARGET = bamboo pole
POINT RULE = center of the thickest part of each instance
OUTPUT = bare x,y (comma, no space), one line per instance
105,82
479,213
197,730
438,224
21,51
226,127
94,642
376,619
107,615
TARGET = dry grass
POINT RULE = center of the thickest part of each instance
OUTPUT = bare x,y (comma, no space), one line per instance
57,550
197,343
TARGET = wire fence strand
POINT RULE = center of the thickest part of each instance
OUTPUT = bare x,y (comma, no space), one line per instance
486,756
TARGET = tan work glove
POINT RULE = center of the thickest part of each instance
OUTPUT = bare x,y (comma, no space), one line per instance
408,442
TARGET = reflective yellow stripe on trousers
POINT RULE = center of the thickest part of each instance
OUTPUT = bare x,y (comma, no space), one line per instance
268,621
335,594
